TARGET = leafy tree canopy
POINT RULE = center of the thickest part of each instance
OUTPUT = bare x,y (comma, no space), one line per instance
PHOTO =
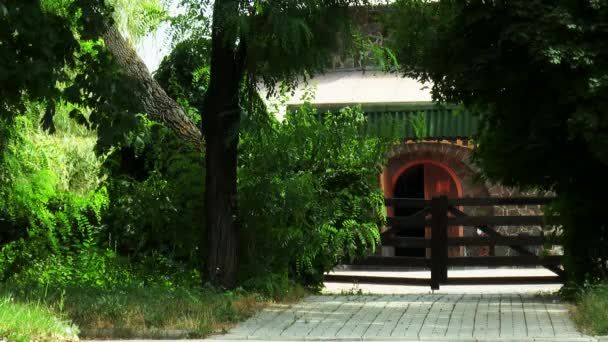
280,40
536,69
32,60
538,72
253,42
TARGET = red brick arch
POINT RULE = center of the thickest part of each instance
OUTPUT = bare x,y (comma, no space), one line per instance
451,156
412,163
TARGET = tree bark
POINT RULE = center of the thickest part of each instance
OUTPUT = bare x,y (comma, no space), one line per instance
153,100
221,112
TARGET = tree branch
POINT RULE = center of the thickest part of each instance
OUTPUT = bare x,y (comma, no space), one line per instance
153,100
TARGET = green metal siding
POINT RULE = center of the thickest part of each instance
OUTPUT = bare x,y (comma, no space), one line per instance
439,122
432,122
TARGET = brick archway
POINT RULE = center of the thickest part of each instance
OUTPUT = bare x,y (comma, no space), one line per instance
413,163
455,156
450,155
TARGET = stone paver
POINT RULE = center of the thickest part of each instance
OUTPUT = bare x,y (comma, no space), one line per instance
413,317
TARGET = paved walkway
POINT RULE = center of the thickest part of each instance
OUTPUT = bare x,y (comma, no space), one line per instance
414,317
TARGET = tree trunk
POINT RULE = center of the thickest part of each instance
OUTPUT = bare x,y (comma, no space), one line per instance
221,115
153,100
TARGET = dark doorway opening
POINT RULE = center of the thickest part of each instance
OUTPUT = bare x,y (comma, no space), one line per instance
410,185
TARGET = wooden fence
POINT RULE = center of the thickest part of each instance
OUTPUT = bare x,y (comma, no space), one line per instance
440,213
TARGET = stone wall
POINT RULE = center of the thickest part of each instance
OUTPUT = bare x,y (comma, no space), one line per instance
526,210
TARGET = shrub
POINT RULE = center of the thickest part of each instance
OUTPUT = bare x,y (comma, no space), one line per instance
308,194
156,185
52,223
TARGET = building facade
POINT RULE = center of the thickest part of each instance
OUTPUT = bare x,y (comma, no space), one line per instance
433,157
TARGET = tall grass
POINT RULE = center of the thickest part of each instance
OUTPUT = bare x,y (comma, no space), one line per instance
140,312
591,310
151,312
32,322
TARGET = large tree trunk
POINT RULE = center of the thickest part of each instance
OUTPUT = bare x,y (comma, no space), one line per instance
153,100
221,115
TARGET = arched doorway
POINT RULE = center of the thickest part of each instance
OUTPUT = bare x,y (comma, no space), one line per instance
410,184
425,179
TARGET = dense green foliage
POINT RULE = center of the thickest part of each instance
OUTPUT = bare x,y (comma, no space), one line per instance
155,185
31,60
101,209
51,206
537,71
321,203
64,225
184,74
308,193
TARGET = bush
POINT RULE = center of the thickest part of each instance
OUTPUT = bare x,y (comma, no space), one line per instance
308,194
51,226
156,186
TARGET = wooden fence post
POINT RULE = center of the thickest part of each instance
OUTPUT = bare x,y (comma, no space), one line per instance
439,241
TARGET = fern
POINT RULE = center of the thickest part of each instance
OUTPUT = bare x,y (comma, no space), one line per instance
54,226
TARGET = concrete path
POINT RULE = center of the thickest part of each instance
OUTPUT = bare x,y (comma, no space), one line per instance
363,312
413,317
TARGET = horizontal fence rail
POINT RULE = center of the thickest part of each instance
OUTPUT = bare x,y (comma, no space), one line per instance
503,241
411,203
517,260
492,201
496,221
339,278
405,242
440,213
504,280
394,261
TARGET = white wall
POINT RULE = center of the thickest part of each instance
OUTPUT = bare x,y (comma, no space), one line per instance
356,87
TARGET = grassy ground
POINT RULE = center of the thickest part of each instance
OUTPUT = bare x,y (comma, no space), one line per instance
124,313
590,312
